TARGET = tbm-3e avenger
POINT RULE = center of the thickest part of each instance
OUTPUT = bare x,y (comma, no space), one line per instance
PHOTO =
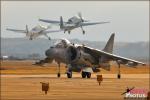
35,32
83,58
72,23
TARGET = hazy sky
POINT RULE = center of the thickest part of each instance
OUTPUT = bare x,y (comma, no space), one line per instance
129,19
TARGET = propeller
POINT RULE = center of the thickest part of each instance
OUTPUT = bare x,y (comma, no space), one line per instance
80,15
82,19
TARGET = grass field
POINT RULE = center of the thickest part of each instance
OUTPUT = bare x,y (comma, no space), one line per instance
27,67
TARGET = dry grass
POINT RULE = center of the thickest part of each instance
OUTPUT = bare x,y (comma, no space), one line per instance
29,88
26,67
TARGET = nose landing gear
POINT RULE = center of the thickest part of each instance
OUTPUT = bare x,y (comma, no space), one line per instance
69,74
69,32
58,74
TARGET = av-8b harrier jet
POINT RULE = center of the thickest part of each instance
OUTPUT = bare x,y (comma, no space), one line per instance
72,23
35,32
83,58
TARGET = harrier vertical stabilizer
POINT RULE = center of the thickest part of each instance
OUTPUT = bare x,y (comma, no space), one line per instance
109,46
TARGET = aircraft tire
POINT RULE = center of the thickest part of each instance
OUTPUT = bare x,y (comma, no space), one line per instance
58,75
119,76
83,32
83,74
69,75
88,74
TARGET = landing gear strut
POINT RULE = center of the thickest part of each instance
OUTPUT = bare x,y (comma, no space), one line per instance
119,75
68,32
58,74
82,30
69,71
49,38
69,74
31,38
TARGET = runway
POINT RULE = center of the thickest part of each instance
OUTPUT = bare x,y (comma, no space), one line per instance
28,87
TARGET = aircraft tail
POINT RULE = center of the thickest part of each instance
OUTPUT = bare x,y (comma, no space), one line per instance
61,22
109,46
27,30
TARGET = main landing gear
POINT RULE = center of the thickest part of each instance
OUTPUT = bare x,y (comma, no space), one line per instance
48,37
86,74
69,71
69,32
31,38
118,75
82,30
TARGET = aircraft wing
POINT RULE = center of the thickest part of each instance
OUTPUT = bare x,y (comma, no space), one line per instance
50,21
94,23
111,57
18,31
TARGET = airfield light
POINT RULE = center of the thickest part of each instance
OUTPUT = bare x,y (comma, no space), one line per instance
99,79
45,87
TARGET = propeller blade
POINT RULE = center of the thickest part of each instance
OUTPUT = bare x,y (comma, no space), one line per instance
80,15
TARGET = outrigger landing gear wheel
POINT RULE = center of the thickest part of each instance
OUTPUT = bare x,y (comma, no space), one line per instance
119,76
58,75
69,74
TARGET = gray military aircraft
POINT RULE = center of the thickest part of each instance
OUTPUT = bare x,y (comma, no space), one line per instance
35,32
83,58
72,23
